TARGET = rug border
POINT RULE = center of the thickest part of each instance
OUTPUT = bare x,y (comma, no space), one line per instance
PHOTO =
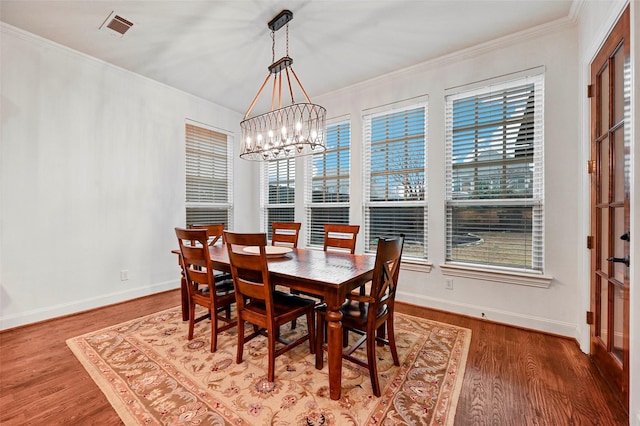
457,387
116,402
113,398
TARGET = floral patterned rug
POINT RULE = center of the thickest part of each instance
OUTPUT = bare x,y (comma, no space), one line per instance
152,374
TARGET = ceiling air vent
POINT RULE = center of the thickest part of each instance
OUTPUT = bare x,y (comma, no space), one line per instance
116,25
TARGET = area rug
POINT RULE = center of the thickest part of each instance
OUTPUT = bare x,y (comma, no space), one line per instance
152,374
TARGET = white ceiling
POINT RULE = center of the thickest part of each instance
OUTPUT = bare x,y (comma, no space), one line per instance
220,49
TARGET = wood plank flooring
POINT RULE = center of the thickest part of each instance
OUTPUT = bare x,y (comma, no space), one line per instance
513,376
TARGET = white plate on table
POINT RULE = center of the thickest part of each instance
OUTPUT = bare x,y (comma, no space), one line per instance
272,251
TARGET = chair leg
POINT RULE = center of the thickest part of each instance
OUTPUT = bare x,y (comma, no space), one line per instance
294,322
320,333
380,333
240,340
392,340
271,341
214,332
373,368
192,319
311,330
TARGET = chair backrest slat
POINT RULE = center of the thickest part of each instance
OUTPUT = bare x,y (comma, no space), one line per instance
214,231
250,271
286,233
340,236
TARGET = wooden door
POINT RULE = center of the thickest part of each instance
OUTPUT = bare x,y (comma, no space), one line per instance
610,165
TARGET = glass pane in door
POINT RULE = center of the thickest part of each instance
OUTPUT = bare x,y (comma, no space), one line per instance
604,239
604,99
604,171
619,71
618,321
620,154
604,309
619,268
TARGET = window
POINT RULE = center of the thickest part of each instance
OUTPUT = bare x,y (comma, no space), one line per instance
278,185
494,177
208,176
327,194
395,154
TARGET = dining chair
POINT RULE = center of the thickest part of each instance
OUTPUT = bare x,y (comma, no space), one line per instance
198,271
285,233
258,303
340,236
367,315
214,234
214,231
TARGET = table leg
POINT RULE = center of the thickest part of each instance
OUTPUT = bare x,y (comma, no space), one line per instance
184,291
334,350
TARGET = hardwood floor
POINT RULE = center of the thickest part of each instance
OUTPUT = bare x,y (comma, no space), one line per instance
513,376
520,377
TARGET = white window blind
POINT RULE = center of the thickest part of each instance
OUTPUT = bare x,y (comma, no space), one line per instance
327,190
395,159
494,175
208,176
278,183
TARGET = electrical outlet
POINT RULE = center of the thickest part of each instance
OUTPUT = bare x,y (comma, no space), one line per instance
448,283
124,275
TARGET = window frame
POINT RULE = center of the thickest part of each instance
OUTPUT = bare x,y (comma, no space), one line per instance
314,232
368,117
267,207
195,204
533,275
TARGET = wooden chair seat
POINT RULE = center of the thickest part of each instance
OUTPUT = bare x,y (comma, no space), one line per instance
356,313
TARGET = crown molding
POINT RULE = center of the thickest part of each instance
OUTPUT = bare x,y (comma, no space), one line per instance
470,52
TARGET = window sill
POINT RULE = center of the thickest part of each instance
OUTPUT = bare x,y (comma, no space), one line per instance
497,275
417,266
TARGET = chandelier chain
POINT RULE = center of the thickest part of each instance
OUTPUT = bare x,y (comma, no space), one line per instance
273,46
287,39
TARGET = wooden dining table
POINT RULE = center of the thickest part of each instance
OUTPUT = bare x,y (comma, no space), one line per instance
328,274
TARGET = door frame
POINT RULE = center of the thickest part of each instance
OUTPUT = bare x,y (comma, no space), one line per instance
588,131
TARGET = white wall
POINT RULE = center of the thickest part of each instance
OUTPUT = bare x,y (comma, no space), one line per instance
553,309
91,180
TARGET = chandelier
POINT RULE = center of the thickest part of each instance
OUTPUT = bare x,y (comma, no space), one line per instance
297,129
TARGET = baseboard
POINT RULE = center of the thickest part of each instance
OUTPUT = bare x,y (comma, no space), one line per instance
37,315
482,312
